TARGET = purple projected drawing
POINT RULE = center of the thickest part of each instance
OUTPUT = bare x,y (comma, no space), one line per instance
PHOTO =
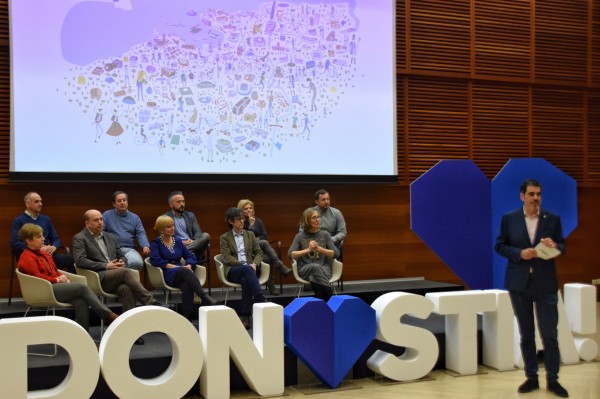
249,68
456,211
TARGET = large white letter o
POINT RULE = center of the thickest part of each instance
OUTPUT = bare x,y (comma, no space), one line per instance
176,380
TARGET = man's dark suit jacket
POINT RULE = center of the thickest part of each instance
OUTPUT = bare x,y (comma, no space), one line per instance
229,252
87,254
513,238
192,226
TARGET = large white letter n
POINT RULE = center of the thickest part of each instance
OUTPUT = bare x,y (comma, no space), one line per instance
260,361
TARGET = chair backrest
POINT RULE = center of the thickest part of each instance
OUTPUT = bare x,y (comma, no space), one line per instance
296,275
75,278
337,268
200,272
222,272
265,271
36,291
93,281
157,277
155,274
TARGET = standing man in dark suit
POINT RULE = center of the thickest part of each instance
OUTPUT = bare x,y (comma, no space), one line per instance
99,251
186,226
241,252
531,280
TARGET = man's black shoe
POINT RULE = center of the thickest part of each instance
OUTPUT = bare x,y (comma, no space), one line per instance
245,322
529,385
207,300
170,306
557,389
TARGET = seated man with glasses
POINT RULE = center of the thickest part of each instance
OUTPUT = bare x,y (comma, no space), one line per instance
241,252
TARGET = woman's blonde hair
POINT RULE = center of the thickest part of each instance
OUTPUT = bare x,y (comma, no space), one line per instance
163,221
305,219
29,230
243,202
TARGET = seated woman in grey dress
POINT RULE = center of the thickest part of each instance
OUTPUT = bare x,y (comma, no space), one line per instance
314,251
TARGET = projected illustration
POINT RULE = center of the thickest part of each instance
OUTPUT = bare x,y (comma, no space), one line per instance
233,83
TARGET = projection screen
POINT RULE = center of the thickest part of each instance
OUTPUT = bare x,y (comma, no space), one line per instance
215,89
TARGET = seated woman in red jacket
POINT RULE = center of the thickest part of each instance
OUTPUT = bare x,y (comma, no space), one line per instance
39,264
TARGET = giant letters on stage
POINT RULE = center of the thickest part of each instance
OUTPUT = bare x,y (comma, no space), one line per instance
260,359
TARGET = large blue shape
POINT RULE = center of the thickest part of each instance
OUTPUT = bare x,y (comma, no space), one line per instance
448,211
329,337
450,207
559,196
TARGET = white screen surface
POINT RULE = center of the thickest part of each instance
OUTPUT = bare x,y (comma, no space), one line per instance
203,87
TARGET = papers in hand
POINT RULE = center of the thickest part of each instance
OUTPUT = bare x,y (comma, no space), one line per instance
544,252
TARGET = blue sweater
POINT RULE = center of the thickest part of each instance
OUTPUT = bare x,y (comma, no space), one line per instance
126,227
50,235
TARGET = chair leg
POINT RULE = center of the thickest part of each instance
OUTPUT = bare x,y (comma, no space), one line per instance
102,320
226,289
12,278
280,284
208,268
299,288
55,346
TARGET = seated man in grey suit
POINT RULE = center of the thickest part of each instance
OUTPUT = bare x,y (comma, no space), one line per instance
98,250
186,226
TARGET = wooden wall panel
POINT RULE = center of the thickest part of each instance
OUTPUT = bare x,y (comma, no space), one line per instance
557,134
500,125
503,38
486,80
593,138
400,34
594,46
438,127
561,37
440,33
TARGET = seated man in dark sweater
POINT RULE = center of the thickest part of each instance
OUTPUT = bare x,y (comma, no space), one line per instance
32,214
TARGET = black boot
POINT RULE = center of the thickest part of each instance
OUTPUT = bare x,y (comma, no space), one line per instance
271,287
283,269
321,291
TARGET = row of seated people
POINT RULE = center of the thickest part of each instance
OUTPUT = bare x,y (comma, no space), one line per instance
110,252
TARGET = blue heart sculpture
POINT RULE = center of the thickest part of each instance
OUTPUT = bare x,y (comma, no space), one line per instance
457,211
329,337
